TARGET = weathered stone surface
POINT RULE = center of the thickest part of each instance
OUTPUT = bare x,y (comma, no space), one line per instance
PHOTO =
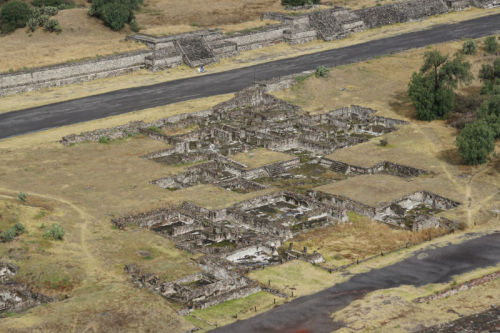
15,297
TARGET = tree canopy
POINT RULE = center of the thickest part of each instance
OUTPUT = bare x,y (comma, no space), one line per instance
432,88
475,142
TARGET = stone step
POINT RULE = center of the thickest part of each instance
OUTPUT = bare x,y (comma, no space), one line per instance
195,51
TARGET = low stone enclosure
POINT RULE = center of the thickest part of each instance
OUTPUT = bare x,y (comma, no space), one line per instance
207,46
250,234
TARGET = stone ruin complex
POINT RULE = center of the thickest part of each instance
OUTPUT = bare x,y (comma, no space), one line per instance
250,234
207,46
15,297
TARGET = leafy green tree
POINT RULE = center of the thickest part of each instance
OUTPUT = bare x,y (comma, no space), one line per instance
432,88
115,15
475,142
490,75
489,111
491,44
14,15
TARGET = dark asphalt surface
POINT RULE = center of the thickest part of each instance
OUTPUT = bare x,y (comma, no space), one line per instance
132,99
312,313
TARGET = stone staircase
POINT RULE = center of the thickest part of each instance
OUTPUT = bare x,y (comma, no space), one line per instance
274,170
195,51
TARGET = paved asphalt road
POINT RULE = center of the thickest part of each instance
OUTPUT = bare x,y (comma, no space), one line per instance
132,99
312,313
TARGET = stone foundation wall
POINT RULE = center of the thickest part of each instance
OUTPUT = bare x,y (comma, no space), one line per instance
382,167
400,12
129,129
58,75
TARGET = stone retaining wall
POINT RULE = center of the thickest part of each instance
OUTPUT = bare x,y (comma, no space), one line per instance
58,75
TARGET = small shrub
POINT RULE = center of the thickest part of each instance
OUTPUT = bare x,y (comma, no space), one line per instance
55,232
19,228
43,19
104,140
52,25
22,196
296,3
321,71
60,4
383,142
33,23
154,129
8,235
462,225
469,47
115,15
134,26
49,10
14,14
491,44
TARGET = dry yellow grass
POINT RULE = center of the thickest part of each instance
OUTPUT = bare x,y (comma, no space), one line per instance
296,276
82,37
202,13
259,157
360,238
393,310
243,308
379,189
88,266
214,197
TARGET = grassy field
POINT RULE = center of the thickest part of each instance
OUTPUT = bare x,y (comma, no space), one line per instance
238,309
259,157
84,272
360,238
298,277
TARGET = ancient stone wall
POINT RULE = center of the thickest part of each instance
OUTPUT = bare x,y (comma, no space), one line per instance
257,39
382,167
129,129
58,75
400,12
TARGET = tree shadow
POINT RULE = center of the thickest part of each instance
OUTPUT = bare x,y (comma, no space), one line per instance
402,105
450,156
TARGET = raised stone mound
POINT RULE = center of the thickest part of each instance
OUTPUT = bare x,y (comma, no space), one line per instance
400,12
216,283
335,23
487,3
